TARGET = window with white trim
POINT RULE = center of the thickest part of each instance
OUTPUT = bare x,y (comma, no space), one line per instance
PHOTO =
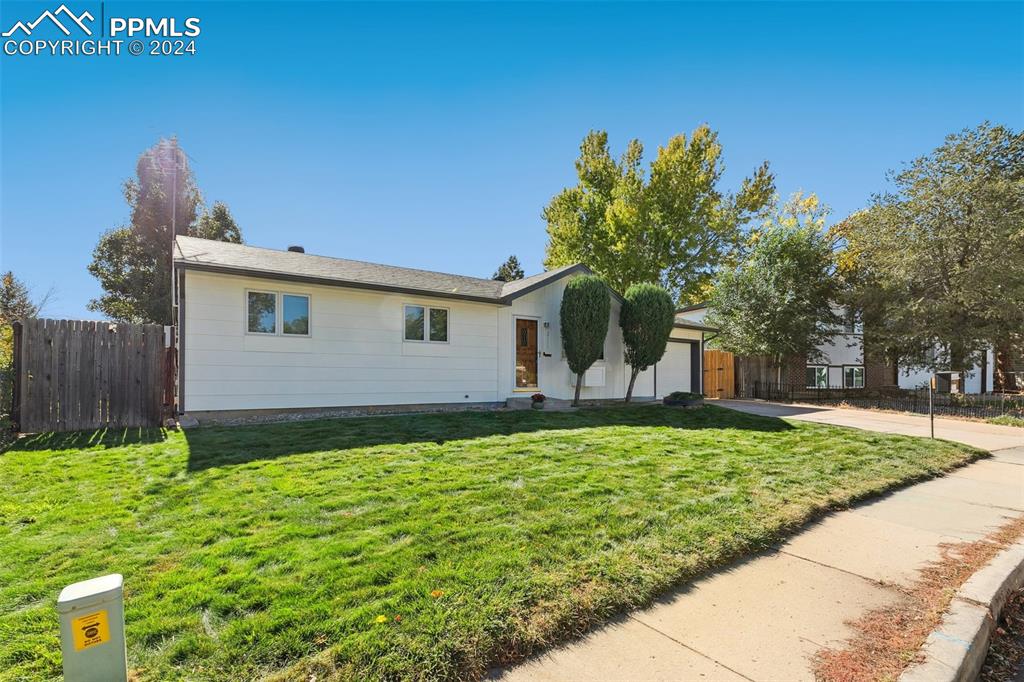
261,312
853,377
295,314
276,313
426,323
817,376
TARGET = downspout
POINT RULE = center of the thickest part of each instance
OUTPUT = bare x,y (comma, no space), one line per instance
180,291
702,363
984,371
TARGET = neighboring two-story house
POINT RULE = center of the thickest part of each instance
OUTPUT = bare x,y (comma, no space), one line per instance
841,363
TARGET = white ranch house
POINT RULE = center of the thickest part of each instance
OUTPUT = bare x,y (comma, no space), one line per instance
264,330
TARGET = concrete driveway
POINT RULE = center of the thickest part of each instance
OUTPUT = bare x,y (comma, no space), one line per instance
766,617
979,434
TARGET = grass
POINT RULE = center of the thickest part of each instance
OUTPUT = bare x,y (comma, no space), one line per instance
1007,420
421,547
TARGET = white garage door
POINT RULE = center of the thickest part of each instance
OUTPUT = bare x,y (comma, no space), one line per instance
674,369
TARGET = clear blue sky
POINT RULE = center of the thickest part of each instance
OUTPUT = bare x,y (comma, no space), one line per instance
431,135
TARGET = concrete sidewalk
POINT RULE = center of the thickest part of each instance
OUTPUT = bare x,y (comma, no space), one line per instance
764,618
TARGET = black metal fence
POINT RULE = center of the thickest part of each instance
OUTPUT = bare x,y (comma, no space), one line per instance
984,406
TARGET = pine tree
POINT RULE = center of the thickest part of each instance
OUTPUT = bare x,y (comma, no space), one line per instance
509,271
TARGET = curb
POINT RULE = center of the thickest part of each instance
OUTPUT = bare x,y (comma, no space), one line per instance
956,650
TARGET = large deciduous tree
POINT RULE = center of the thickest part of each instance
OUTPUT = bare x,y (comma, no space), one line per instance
937,265
584,315
673,225
509,271
646,319
133,262
778,300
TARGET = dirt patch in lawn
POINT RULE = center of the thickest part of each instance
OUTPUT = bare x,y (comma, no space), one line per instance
889,638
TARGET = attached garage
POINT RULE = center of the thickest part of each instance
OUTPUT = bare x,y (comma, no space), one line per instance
681,368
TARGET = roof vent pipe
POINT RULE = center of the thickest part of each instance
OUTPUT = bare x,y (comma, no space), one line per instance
296,249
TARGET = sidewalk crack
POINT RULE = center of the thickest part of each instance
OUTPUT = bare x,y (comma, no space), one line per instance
686,646
873,581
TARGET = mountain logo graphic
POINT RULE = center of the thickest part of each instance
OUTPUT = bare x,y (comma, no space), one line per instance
52,16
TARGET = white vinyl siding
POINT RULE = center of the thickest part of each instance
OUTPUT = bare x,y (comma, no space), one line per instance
356,352
553,374
353,355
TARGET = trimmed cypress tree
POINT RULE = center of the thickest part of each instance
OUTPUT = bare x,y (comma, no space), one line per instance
586,307
646,320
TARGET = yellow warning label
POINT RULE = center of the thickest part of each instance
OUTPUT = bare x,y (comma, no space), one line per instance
90,630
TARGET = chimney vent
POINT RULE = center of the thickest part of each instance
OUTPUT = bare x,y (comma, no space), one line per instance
297,249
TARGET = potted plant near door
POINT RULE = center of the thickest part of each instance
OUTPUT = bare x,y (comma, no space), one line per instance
537,401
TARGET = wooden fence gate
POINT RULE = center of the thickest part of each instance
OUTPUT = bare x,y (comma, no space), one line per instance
72,375
719,374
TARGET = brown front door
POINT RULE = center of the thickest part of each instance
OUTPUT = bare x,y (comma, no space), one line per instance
526,353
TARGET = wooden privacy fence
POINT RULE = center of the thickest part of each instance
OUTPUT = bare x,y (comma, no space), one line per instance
72,375
719,374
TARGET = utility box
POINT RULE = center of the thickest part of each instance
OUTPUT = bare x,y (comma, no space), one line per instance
92,630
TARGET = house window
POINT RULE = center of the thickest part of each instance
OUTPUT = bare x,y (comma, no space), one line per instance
273,313
262,312
817,376
439,325
295,314
426,324
852,324
853,377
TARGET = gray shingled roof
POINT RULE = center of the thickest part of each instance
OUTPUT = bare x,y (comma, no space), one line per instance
204,254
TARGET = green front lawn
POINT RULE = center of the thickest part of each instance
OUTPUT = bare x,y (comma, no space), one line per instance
406,547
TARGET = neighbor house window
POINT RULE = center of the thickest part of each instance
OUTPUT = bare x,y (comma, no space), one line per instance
423,323
817,377
295,314
262,312
273,312
853,377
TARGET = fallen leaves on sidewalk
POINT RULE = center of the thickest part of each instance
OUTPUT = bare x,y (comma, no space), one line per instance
888,638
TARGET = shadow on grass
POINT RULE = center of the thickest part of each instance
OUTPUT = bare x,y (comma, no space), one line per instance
218,446
104,438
